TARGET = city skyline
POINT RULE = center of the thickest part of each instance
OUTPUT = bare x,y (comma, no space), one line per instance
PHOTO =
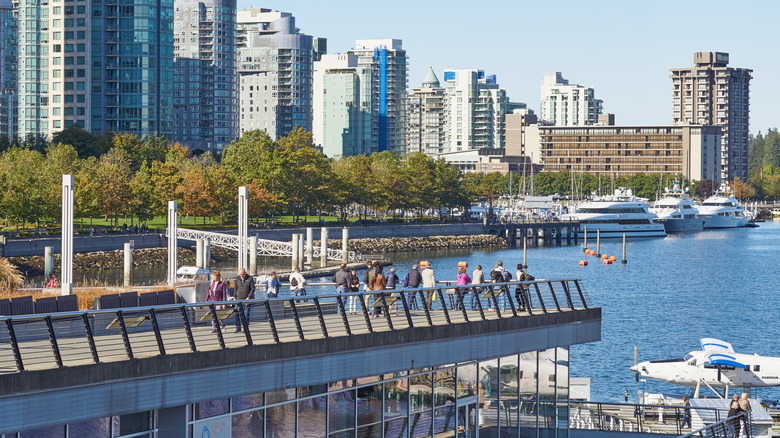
632,44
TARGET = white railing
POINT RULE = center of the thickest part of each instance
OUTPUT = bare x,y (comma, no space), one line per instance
265,247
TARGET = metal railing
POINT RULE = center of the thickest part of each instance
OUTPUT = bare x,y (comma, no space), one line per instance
655,418
56,340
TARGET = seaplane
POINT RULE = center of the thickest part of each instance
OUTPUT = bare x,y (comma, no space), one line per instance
716,365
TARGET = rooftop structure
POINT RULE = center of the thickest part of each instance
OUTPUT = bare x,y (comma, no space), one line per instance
565,104
426,117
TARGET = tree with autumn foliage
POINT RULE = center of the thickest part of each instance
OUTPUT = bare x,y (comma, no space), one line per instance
112,184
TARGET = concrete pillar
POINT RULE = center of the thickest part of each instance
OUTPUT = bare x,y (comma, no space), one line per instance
173,261
206,253
128,265
301,250
309,245
294,251
323,247
48,263
253,255
345,245
199,253
243,223
67,235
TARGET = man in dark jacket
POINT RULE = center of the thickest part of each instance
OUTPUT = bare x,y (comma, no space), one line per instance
413,280
392,279
245,290
341,278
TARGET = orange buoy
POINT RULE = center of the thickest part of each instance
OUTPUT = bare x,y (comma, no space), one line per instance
606,261
583,263
592,252
613,259
604,256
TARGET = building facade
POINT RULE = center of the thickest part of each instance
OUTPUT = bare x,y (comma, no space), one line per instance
565,104
8,67
275,72
388,62
476,111
205,89
712,93
426,117
104,66
692,151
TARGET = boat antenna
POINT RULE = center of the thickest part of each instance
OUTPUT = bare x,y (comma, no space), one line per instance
532,173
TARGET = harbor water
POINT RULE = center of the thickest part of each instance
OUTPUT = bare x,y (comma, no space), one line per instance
673,291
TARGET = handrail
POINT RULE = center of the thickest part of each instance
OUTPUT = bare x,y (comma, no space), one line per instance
94,336
726,428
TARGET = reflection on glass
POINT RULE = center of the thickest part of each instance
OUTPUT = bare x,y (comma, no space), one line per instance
509,385
247,424
562,380
204,409
47,432
342,412
282,396
420,424
420,392
341,384
396,394
306,391
467,380
372,431
280,421
243,402
444,387
487,389
369,405
444,419
396,428
547,385
94,427
312,417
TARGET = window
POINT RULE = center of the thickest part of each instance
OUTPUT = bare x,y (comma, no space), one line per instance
756,367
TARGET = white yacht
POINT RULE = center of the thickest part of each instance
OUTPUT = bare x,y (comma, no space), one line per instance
676,212
722,210
616,215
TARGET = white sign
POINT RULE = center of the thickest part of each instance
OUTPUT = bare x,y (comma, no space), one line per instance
211,428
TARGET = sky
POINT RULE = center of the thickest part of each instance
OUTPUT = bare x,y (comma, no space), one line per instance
622,49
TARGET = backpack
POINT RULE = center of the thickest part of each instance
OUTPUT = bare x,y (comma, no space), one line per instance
506,276
496,276
406,281
293,282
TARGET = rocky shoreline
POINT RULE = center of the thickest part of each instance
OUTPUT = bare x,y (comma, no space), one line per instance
33,266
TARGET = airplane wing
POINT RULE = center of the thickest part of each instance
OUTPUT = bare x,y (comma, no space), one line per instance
724,359
711,345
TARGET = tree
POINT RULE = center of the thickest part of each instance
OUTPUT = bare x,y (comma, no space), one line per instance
304,165
260,200
60,160
193,191
704,188
142,204
222,192
419,169
23,186
742,190
85,144
113,176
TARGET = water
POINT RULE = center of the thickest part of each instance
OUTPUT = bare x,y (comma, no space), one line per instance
672,292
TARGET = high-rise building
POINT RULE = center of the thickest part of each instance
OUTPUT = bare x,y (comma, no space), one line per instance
426,117
205,86
275,72
565,104
106,66
712,93
389,63
8,66
476,111
344,123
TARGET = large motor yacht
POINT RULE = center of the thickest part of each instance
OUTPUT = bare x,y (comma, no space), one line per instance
722,210
676,212
616,215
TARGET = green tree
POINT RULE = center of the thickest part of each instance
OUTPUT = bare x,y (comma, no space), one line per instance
420,170
113,191
23,186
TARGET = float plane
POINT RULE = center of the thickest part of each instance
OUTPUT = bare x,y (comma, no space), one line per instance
716,365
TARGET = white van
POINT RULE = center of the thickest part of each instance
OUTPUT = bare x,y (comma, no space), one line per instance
192,273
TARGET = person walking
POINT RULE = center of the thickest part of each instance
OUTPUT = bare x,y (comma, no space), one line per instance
378,283
686,412
744,406
273,286
296,283
217,292
734,409
354,286
477,277
245,290
521,291
429,281
341,278
413,280
53,282
463,281
392,279
368,278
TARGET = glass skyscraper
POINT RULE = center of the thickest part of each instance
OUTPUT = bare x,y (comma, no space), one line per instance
8,65
205,90
104,66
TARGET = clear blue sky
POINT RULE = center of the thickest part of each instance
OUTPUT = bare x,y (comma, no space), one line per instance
623,49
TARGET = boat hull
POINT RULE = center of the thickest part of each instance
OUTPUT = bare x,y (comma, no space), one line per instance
681,225
613,231
711,222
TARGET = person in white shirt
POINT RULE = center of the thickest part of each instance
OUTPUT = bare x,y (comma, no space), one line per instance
477,277
429,280
297,282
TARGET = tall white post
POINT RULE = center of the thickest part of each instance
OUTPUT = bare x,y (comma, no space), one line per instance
199,253
67,234
323,247
253,255
309,245
345,245
128,265
294,251
243,231
173,261
206,253
301,250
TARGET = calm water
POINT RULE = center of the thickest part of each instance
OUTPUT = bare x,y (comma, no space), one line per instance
672,292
